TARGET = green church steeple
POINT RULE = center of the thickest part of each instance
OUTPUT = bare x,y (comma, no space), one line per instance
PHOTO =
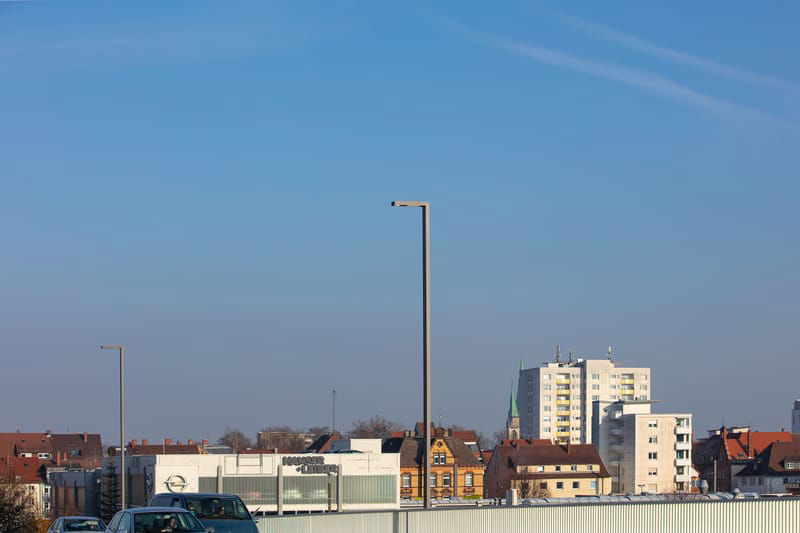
512,404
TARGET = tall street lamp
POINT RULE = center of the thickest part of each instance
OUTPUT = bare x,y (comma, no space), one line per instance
121,416
426,344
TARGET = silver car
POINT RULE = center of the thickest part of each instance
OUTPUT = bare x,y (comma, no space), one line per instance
155,520
76,523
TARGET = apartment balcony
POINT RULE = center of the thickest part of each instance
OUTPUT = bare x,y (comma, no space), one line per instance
683,429
626,381
683,462
683,478
562,402
562,434
627,392
562,423
615,444
562,413
562,381
615,431
683,445
563,392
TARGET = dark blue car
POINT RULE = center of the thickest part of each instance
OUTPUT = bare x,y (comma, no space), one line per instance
222,513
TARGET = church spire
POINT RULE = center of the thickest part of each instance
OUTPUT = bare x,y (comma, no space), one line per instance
521,363
512,404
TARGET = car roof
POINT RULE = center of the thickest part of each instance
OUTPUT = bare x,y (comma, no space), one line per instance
157,510
80,517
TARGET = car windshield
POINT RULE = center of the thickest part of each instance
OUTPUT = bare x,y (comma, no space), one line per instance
216,508
165,522
84,524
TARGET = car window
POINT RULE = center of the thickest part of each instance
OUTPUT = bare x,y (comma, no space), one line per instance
115,521
176,502
217,507
83,524
125,523
166,522
56,525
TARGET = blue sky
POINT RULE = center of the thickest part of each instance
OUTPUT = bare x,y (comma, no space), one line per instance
209,184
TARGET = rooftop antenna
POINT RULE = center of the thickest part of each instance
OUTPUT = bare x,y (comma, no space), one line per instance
558,353
333,421
570,354
609,354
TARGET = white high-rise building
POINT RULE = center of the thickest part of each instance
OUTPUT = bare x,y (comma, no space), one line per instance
796,417
554,401
643,451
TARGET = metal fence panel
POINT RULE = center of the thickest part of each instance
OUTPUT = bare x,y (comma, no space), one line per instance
731,516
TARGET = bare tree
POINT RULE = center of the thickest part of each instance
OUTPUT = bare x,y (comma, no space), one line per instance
531,489
17,508
376,427
499,435
235,439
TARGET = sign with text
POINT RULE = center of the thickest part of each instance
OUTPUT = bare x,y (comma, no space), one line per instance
309,464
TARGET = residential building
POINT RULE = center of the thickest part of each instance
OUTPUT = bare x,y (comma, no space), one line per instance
54,452
28,472
555,400
776,470
644,451
267,483
165,447
540,469
455,471
796,418
727,450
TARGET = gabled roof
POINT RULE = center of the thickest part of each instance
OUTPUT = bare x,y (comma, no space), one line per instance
736,445
515,454
772,461
411,450
88,446
323,443
13,443
28,469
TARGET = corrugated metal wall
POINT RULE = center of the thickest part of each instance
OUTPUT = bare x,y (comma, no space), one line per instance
733,516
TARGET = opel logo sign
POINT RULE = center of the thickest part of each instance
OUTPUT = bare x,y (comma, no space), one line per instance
176,483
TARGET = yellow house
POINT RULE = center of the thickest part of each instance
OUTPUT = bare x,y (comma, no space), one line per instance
455,471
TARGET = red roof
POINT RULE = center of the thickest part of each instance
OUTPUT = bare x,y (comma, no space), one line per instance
749,444
22,469
466,435
13,443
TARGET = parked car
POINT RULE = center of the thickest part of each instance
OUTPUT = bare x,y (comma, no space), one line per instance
225,513
76,523
155,520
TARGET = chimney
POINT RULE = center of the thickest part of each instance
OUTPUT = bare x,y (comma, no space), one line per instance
144,442
85,437
167,442
205,443
134,442
190,442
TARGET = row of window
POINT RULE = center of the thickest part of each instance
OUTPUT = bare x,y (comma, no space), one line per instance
558,468
561,418
447,480
559,485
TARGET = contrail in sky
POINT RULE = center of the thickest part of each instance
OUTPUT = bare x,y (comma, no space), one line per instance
629,76
676,56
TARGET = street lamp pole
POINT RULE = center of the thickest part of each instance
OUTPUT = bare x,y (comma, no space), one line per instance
426,344
121,416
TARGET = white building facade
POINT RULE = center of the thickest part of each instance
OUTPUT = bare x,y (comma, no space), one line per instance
272,483
643,451
554,401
